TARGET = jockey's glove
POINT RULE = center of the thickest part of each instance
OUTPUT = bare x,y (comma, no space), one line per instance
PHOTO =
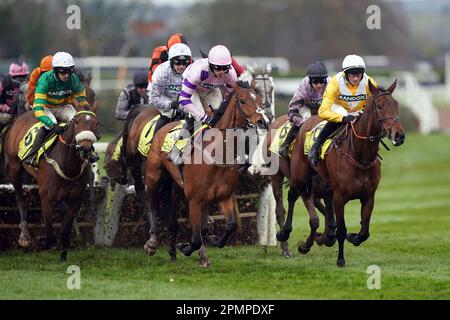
57,129
347,119
207,120
174,105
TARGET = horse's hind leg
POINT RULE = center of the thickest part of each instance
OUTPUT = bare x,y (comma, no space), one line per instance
66,227
227,209
341,232
15,177
203,258
366,213
277,188
313,224
153,178
329,235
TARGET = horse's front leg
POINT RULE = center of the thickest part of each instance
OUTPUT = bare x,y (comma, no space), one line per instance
227,209
48,211
313,224
341,233
195,220
367,205
66,227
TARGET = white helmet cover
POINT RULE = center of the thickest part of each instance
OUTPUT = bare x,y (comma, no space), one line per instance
62,60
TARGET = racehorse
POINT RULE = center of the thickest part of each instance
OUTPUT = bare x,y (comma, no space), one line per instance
62,174
320,190
206,182
351,166
261,79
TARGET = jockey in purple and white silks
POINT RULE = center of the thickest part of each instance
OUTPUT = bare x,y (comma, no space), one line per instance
165,87
203,80
306,100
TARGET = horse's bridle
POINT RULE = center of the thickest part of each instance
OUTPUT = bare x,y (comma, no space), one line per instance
264,78
259,110
379,120
73,143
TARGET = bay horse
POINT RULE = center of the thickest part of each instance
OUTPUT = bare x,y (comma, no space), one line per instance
352,167
62,174
204,183
319,190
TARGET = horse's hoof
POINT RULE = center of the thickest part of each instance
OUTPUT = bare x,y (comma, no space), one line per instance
286,254
303,249
45,244
24,241
150,247
282,236
185,248
353,238
329,241
214,241
63,257
341,263
204,263
319,239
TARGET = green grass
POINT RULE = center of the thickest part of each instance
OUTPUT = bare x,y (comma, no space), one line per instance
409,241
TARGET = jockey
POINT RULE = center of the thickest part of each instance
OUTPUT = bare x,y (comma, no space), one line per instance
202,80
160,54
9,91
166,85
134,94
344,97
46,65
55,92
307,98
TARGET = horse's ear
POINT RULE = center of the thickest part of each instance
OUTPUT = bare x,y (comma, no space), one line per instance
204,55
392,86
372,88
250,69
88,79
269,68
253,84
94,107
235,87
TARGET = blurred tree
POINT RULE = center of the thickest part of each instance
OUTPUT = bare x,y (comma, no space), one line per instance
299,30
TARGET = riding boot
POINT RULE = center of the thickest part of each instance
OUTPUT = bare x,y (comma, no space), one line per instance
38,141
292,134
175,154
314,153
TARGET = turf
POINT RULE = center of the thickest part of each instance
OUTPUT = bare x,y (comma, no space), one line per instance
410,243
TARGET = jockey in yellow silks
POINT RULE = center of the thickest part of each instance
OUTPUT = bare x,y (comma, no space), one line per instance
344,97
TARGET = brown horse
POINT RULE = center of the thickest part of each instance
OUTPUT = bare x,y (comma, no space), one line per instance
351,167
320,190
61,176
204,183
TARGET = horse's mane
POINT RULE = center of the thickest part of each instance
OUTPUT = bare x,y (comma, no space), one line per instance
223,106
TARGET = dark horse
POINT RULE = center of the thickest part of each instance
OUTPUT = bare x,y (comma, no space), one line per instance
320,190
351,167
62,174
204,183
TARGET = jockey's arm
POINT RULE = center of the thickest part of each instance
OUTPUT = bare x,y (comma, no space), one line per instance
188,87
40,101
329,97
157,97
80,94
123,106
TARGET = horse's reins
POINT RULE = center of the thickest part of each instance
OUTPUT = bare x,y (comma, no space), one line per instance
376,138
264,79
55,164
